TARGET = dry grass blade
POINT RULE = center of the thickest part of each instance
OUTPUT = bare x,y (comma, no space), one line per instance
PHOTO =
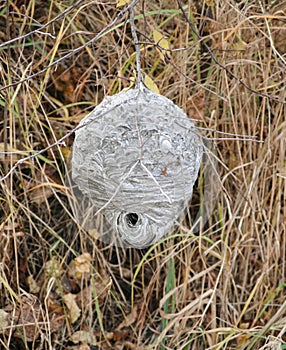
223,287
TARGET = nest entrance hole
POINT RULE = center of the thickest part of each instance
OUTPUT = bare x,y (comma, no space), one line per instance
132,219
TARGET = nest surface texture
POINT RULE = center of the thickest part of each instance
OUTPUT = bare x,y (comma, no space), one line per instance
136,156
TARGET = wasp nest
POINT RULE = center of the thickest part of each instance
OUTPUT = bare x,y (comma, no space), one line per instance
136,157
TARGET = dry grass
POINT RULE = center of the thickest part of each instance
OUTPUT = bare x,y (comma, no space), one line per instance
222,289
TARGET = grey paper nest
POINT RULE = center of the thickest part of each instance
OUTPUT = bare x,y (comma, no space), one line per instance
136,157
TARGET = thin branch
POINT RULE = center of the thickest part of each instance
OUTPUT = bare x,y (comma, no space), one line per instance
75,51
168,60
57,143
61,15
202,86
215,59
62,139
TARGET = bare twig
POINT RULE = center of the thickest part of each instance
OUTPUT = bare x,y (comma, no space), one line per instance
129,8
215,59
75,51
61,15
57,143
202,86
62,139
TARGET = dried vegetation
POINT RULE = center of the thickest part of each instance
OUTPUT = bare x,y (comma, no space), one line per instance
60,287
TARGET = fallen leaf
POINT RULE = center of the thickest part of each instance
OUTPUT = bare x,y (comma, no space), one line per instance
80,266
84,347
4,320
53,268
69,285
66,152
39,188
99,287
132,81
150,84
126,272
121,3
71,304
160,40
56,322
130,318
27,318
121,334
33,286
84,337
94,233
54,305
65,81
242,339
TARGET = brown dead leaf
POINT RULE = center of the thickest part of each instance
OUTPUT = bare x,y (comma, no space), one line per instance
54,305
210,3
74,311
33,286
26,318
65,81
99,287
242,339
94,233
23,270
130,318
84,337
69,285
121,334
121,3
126,272
80,266
57,322
4,320
84,347
53,268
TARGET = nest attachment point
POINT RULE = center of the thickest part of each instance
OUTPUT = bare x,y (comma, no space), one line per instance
136,157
